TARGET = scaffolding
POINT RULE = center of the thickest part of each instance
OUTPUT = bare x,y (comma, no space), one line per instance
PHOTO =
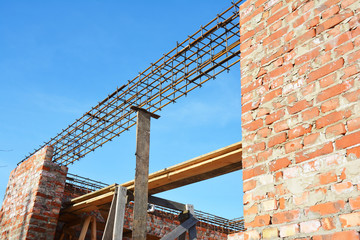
211,50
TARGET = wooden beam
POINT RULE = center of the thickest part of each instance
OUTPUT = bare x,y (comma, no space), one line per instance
109,226
141,173
180,229
167,203
121,200
85,228
217,153
207,166
93,228
216,163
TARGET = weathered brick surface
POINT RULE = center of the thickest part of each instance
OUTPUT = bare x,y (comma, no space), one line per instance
32,200
300,69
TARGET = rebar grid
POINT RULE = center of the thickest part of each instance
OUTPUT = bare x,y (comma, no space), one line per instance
207,220
201,57
83,183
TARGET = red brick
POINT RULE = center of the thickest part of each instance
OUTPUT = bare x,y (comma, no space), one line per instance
254,125
256,147
325,70
346,3
299,131
335,90
251,210
328,223
249,185
248,161
307,56
350,220
262,112
264,155
330,12
330,105
310,114
330,119
276,35
285,217
299,106
304,156
255,84
338,129
338,18
327,81
328,208
250,106
277,15
343,187
353,124
353,96
274,116
354,203
281,70
281,126
264,132
343,49
301,20
279,164
337,41
348,140
271,95
270,58
303,38
293,146
354,56
350,71
311,139
260,221
326,178
355,151
253,172
348,235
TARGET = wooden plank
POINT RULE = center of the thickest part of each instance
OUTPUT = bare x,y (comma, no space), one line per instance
192,230
194,173
196,178
90,204
216,163
166,203
202,158
141,174
121,200
93,228
109,226
110,188
85,228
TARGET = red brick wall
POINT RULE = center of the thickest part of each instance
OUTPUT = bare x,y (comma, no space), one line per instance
159,222
300,78
33,198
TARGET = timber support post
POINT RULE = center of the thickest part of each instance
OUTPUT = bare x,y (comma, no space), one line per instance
141,172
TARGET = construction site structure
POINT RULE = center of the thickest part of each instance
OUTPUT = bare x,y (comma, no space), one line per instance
300,152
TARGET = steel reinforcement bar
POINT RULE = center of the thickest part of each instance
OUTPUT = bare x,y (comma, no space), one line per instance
201,57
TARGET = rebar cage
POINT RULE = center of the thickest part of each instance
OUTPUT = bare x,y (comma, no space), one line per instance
211,50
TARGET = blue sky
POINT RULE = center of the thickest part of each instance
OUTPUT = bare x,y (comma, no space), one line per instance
59,58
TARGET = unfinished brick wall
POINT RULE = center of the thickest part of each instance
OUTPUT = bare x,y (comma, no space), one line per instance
33,198
159,223
300,83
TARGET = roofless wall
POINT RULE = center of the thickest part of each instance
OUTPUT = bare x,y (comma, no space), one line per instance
300,118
